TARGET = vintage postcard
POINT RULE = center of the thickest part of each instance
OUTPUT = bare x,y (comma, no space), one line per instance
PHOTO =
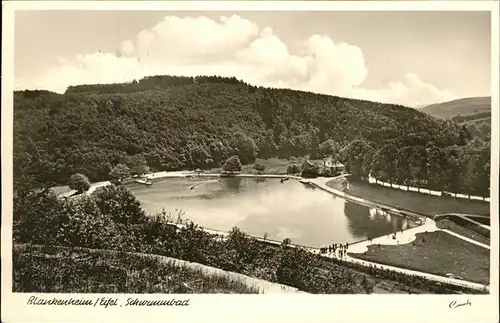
250,161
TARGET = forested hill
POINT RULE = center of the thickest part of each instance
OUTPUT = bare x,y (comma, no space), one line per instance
474,113
460,108
175,123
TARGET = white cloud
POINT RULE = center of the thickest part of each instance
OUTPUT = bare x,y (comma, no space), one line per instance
233,46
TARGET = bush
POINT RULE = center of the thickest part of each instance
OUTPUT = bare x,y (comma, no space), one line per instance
120,172
119,204
81,223
61,270
310,170
79,182
326,172
232,164
293,169
259,168
246,248
35,216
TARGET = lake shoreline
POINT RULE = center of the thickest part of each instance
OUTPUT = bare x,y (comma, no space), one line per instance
188,174
161,177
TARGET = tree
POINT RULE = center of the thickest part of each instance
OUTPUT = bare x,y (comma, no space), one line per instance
471,177
119,204
232,164
309,170
326,172
79,182
83,225
418,164
329,148
120,172
34,212
464,136
245,247
217,151
437,165
313,150
138,165
354,157
366,163
484,172
403,165
245,148
384,163
268,148
453,182
259,168
293,169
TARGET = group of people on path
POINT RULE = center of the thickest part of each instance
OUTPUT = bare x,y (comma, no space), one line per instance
332,249
342,248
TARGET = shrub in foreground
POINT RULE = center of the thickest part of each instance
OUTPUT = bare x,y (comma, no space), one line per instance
64,270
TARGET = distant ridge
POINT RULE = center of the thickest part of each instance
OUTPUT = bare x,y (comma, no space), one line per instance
459,107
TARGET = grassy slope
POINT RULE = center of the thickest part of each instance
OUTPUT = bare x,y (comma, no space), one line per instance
465,106
62,270
437,253
417,202
36,268
452,226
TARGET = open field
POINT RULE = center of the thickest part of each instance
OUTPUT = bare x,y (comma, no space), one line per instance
436,253
413,201
276,166
66,270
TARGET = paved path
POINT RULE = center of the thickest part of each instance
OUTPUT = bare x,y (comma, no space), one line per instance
320,182
438,278
92,188
406,236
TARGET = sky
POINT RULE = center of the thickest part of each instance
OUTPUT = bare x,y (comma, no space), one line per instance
411,58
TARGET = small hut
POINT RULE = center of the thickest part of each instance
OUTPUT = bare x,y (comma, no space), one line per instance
335,167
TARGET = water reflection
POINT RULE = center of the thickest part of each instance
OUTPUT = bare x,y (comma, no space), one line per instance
233,183
284,210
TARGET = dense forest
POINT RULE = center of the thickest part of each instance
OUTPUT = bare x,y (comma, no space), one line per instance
172,123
